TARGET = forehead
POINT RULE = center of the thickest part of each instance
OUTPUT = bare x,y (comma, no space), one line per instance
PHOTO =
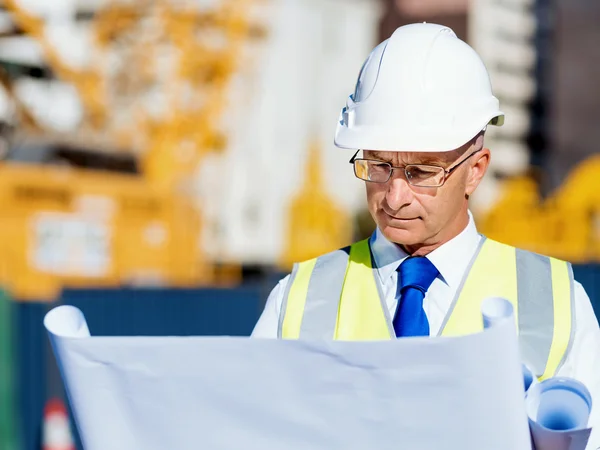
399,158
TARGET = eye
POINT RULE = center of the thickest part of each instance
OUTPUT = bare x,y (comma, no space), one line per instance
422,172
379,166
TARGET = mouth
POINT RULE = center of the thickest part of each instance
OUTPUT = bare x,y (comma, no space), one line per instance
401,219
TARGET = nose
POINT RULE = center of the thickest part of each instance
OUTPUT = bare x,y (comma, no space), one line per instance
399,193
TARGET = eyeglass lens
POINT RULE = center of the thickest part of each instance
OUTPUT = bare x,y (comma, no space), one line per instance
380,172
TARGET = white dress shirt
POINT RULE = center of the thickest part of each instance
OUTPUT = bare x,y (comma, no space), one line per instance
452,260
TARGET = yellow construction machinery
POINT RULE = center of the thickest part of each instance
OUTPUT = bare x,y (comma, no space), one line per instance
566,224
152,98
316,223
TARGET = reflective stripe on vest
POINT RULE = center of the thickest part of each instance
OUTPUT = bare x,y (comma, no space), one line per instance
339,296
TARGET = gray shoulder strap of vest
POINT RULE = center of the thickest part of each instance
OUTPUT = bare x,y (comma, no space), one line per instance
324,291
536,308
573,318
322,298
285,300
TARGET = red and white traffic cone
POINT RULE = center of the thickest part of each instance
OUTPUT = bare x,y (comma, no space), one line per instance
56,430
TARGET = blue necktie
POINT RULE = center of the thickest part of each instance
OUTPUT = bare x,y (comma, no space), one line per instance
415,275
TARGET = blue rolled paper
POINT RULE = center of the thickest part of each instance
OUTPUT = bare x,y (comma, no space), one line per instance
559,410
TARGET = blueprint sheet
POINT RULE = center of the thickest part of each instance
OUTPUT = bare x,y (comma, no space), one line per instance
226,393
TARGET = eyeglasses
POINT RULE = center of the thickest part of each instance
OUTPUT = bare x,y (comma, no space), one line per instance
421,175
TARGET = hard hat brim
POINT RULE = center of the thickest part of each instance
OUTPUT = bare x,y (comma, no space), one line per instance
414,139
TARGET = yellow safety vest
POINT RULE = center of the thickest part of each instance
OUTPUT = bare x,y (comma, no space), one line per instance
339,296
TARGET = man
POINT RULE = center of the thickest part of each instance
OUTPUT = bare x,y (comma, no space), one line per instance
419,113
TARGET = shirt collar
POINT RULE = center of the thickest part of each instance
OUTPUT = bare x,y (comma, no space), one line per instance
451,259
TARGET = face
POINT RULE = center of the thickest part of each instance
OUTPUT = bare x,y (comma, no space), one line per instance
422,218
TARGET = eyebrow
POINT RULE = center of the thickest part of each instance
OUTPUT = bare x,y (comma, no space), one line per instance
378,156
424,160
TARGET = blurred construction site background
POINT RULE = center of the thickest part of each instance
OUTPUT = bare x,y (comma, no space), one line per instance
163,162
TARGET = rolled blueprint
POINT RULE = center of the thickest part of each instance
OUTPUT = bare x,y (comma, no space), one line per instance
66,320
528,378
493,311
558,410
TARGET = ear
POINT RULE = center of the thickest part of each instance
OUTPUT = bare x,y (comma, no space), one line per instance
477,170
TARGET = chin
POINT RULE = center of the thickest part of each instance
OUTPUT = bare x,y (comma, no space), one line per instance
402,236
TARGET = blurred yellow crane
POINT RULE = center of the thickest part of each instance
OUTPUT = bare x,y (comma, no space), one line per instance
566,224
155,88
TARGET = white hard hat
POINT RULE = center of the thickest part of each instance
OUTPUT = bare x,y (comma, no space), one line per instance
421,90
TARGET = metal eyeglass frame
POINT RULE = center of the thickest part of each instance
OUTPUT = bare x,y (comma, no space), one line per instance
446,172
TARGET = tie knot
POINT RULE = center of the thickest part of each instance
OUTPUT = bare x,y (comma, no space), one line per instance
417,272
